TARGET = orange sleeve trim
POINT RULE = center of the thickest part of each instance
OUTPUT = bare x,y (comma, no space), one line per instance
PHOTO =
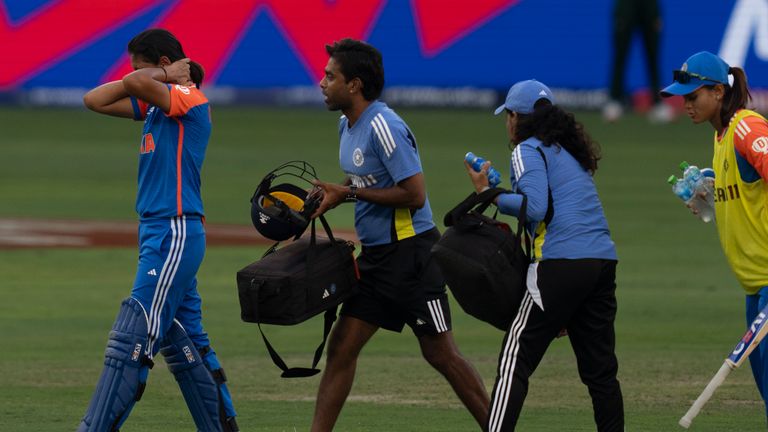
184,99
143,107
750,138
179,148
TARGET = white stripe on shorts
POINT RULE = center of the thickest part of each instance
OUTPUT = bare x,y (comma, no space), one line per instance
436,310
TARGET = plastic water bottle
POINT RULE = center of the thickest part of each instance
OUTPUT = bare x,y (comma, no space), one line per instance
691,173
681,188
699,183
476,162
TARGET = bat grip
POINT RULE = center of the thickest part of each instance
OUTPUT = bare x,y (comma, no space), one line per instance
698,404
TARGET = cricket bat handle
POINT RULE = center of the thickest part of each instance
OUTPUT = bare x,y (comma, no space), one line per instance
698,404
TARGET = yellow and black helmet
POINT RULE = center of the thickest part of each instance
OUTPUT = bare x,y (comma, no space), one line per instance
282,211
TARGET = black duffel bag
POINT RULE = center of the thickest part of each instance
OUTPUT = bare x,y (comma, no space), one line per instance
483,262
291,284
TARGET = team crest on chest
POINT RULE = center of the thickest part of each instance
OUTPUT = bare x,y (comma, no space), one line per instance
357,157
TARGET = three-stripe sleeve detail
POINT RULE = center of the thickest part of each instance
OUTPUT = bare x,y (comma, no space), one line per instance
381,128
742,129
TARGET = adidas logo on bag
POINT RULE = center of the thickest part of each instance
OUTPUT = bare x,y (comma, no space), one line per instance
332,288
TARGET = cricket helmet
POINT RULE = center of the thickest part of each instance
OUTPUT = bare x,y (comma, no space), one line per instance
281,211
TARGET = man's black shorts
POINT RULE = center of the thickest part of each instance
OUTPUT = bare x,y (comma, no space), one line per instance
401,284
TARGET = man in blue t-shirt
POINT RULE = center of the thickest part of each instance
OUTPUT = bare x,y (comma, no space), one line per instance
399,283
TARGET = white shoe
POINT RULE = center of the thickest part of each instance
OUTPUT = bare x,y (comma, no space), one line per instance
661,113
612,111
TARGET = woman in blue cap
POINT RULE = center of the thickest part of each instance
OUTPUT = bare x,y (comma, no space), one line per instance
740,162
571,283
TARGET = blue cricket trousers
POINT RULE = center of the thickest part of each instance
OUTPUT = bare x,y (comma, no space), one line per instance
758,360
170,253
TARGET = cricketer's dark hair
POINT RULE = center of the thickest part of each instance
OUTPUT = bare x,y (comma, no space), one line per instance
736,96
554,126
361,60
155,43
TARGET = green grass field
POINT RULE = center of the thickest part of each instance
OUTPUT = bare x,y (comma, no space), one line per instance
680,308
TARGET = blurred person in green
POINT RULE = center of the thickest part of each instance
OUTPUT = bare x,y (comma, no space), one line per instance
628,16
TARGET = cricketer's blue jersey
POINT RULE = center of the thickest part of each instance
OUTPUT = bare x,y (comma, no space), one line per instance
171,156
578,228
379,151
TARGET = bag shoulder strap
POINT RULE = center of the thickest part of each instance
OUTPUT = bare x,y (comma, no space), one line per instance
299,372
481,201
312,240
550,207
328,318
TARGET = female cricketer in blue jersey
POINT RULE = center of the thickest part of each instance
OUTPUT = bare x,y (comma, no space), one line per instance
164,310
571,282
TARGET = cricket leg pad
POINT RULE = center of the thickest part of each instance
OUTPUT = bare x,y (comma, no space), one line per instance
195,381
126,367
226,408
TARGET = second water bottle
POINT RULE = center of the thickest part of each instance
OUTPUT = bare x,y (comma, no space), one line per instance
476,162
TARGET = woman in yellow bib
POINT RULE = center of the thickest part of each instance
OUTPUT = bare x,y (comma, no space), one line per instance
740,161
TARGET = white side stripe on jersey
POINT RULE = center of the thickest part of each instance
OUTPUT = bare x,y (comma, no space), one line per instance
507,365
381,128
164,282
517,163
436,310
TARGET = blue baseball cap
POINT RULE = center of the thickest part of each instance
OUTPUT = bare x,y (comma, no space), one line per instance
702,68
523,96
